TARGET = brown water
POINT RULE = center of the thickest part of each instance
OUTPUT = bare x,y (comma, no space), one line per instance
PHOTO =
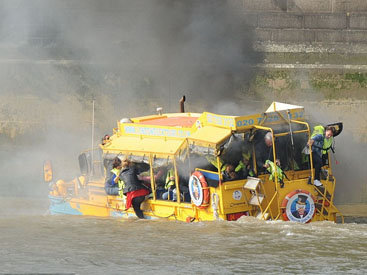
32,241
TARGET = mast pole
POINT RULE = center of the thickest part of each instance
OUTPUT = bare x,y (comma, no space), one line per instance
92,156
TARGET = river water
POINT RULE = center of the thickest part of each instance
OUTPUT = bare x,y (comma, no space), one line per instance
35,242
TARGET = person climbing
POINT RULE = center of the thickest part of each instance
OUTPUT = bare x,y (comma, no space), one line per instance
134,190
321,141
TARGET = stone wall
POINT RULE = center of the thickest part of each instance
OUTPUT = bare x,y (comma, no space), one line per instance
329,25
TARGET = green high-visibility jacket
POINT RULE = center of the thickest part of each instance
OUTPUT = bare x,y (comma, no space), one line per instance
242,166
170,182
271,170
120,183
213,161
328,142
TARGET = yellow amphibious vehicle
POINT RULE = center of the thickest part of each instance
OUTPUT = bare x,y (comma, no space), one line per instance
223,167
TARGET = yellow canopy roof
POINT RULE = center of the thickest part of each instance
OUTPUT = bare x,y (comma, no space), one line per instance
144,145
210,135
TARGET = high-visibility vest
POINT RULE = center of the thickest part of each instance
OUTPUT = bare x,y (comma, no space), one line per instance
271,170
328,142
170,182
214,162
120,183
242,166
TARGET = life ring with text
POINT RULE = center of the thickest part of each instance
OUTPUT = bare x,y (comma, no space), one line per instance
199,190
298,206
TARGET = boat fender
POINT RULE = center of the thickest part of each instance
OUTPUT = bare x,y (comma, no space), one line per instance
199,190
298,206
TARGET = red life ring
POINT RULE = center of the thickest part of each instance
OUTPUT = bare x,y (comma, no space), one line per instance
295,200
199,190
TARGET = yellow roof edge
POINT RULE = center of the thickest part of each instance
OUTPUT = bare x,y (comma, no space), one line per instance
155,116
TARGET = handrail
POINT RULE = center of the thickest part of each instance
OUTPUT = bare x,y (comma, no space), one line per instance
277,217
324,198
287,133
152,178
266,209
206,171
177,181
331,204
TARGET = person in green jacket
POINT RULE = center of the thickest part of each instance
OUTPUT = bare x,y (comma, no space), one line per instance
244,167
321,141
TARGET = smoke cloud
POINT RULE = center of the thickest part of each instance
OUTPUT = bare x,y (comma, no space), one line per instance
350,149
129,56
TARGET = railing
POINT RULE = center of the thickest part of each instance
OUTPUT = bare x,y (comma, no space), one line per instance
329,201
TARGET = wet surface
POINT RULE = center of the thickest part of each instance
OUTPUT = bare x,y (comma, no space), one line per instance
37,242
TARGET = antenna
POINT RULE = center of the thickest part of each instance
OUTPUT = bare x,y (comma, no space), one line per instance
92,157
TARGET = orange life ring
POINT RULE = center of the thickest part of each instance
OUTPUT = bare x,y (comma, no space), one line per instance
303,196
199,190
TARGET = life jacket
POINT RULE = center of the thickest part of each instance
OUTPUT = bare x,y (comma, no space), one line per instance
328,143
120,183
271,170
170,182
242,166
213,161
116,172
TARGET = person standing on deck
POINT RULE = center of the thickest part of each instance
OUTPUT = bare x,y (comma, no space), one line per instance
264,152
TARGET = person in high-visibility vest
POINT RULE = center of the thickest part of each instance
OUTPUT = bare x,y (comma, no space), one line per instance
229,173
321,141
244,166
271,168
328,140
114,185
170,184
213,160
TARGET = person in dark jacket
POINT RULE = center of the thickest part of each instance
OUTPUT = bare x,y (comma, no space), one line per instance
134,190
264,152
